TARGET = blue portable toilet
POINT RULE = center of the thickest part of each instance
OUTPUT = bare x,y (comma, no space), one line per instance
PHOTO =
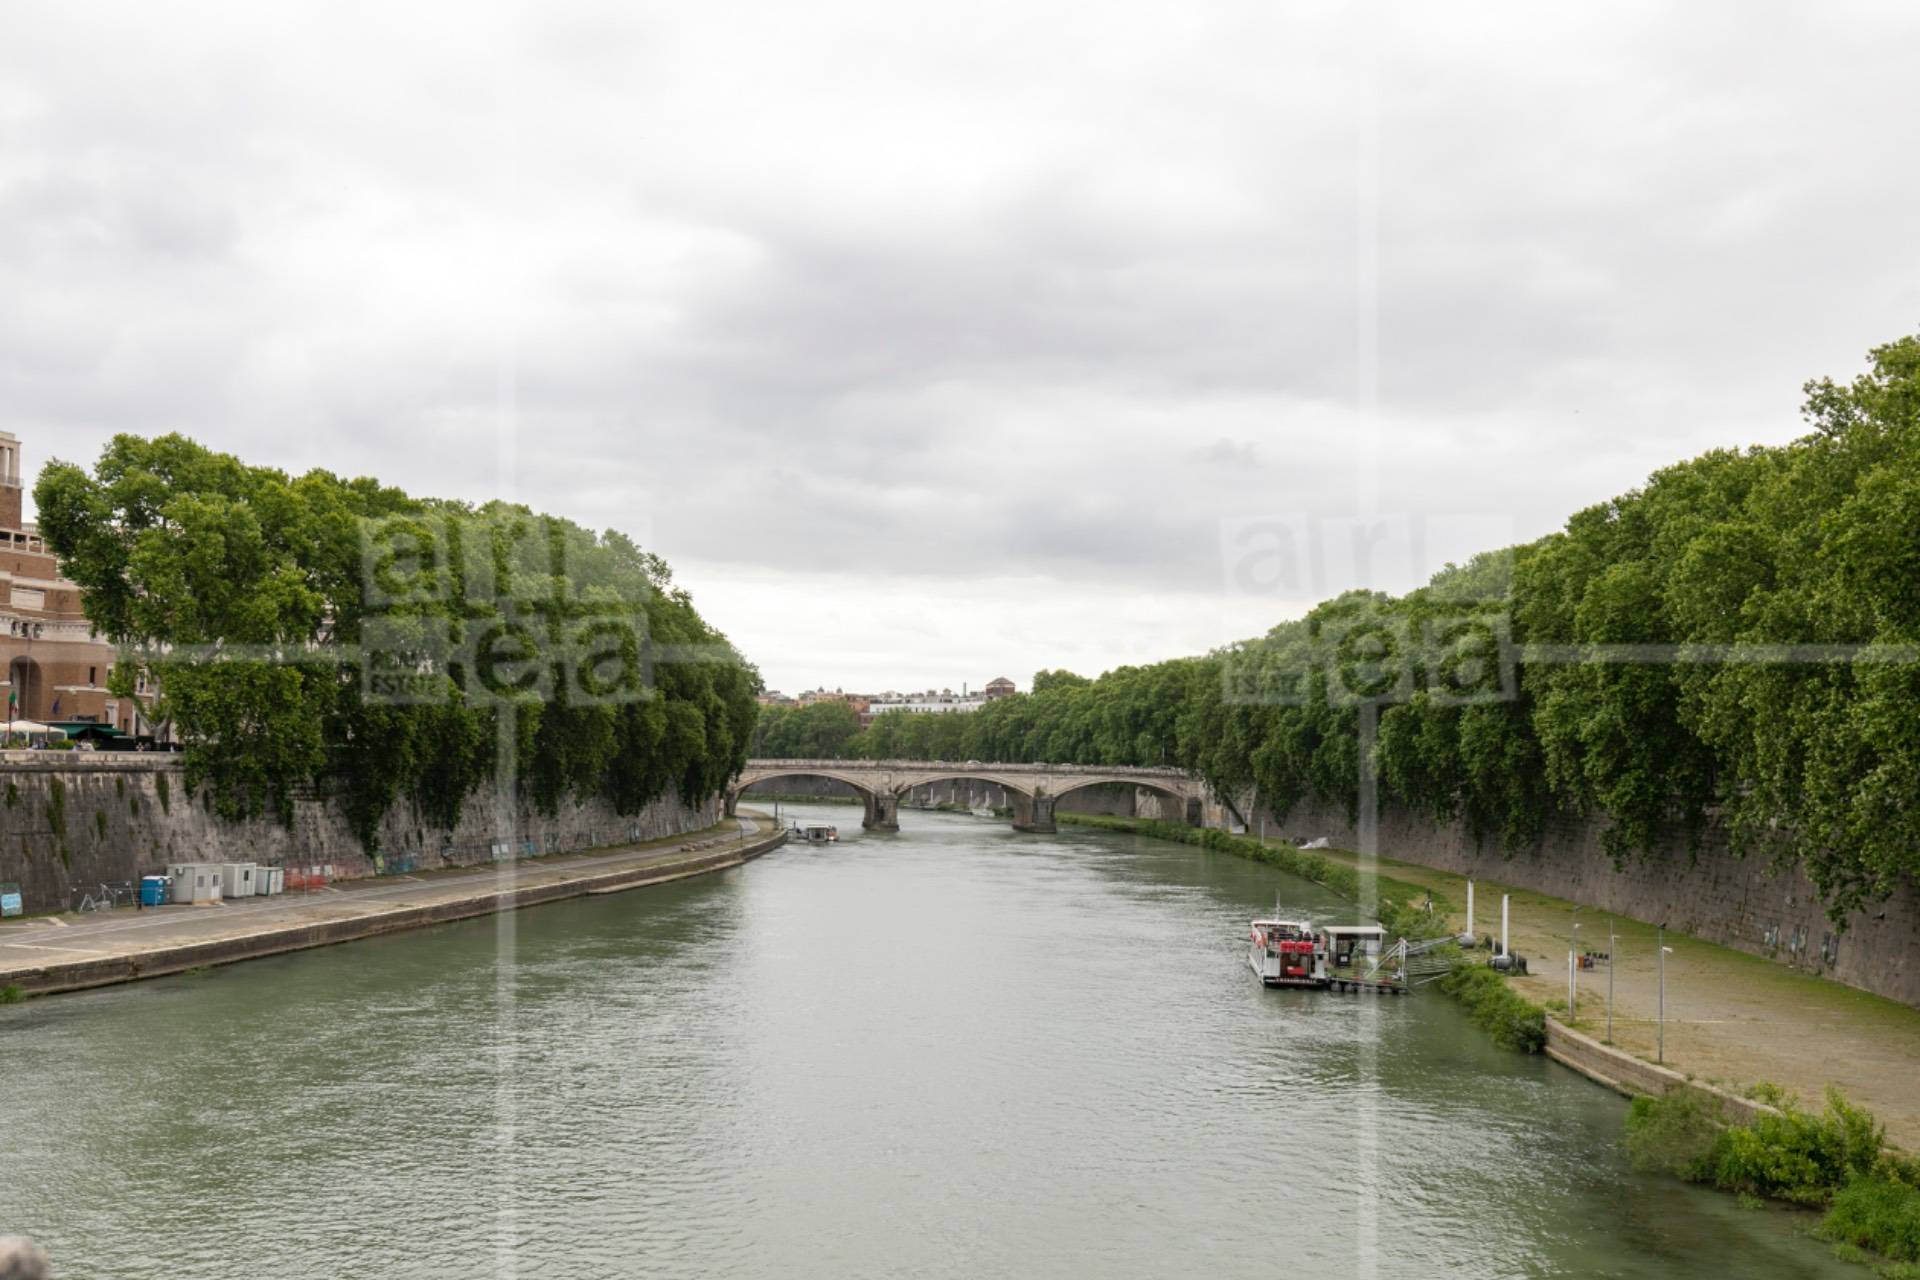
153,890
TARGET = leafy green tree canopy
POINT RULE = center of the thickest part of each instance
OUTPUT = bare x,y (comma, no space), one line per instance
279,613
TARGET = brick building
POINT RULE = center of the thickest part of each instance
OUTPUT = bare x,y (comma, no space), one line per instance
55,667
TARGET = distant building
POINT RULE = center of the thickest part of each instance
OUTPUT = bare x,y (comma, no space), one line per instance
928,703
869,705
55,666
858,701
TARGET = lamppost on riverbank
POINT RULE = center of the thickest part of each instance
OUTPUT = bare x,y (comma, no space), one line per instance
1613,944
1573,964
1660,1055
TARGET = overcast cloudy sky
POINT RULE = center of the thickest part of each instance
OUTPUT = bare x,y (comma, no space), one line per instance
933,344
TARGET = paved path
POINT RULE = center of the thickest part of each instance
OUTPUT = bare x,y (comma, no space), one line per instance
29,947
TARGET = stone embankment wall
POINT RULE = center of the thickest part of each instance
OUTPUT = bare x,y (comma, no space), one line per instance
1714,895
1624,1073
68,826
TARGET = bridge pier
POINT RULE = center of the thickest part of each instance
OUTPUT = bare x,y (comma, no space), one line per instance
883,811
1034,814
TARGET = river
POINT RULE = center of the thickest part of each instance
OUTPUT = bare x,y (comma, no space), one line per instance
954,1051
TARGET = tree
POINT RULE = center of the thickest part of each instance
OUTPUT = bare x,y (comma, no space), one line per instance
249,594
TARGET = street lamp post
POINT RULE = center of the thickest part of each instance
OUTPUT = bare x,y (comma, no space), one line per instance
1573,964
1613,944
1660,1054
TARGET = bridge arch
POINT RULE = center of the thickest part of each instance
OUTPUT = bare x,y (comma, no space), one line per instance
1024,786
1032,809
882,805
1176,804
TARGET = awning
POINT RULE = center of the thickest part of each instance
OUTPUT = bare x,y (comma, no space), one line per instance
29,727
87,729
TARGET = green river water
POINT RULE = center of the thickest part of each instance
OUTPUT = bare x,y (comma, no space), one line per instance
955,1051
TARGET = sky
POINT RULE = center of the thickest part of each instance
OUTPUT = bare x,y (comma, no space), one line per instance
931,344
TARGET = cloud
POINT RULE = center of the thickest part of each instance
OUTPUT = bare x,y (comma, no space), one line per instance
977,309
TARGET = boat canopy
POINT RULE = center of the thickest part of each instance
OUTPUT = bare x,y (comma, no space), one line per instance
1354,931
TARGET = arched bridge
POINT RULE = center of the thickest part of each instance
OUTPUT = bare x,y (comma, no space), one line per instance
1035,787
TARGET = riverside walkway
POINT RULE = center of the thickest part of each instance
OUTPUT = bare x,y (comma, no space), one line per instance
63,953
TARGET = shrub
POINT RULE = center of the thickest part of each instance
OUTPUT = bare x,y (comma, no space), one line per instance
1766,1091
1673,1134
1876,1215
1510,1018
1796,1156
1790,1155
1894,1167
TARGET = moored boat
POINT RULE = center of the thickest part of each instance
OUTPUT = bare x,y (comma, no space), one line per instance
1286,953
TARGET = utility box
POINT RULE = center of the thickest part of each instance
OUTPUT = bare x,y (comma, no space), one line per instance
195,881
154,890
236,879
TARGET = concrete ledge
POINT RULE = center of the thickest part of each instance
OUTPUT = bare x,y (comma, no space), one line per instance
1626,1074
90,762
158,962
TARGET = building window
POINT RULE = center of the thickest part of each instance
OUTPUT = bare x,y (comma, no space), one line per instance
91,673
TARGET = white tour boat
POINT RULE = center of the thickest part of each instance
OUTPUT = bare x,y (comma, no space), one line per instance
1287,953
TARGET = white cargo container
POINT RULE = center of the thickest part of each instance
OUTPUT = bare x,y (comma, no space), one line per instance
268,880
195,881
236,879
